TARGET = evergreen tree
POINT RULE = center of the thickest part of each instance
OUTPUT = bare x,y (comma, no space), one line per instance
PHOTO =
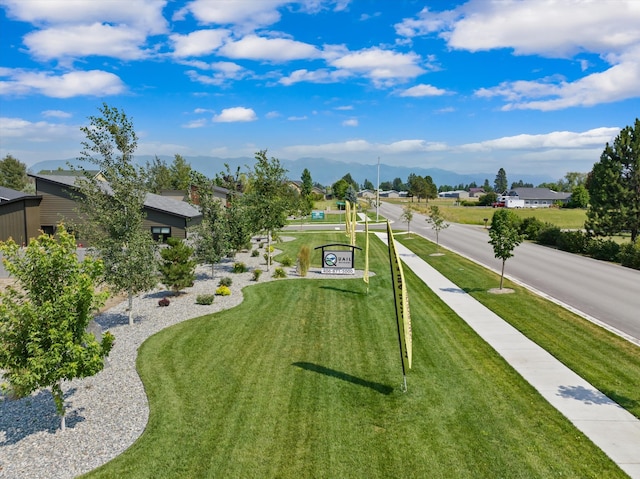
500,184
13,173
177,266
180,173
614,187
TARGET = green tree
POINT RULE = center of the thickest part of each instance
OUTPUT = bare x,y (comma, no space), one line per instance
437,222
367,185
398,185
407,216
505,235
158,176
500,184
431,191
339,188
579,197
351,196
267,196
211,238
177,266
44,320
614,187
306,197
113,211
180,173
350,181
487,187
13,173
417,186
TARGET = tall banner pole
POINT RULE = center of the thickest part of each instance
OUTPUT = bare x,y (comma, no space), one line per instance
403,316
353,224
347,218
365,276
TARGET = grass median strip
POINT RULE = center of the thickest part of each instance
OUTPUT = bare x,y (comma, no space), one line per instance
302,380
608,362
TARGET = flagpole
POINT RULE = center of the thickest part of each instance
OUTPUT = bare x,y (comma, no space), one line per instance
378,193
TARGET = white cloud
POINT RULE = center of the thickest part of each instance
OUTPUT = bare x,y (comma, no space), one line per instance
383,67
235,114
198,43
251,13
85,40
423,90
37,132
143,14
67,85
56,114
318,76
557,29
350,122
365,147
253,47
595,138
195,123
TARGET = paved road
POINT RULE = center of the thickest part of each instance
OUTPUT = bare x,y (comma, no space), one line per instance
603,291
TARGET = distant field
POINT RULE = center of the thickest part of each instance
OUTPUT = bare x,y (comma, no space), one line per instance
474,215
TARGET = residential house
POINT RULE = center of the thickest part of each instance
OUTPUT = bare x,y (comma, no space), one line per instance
19,215
539,197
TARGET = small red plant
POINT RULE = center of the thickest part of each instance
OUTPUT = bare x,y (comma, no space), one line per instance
164,302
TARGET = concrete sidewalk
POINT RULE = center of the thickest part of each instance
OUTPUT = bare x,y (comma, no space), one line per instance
612,428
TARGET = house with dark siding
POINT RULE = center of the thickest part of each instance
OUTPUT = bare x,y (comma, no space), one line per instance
19,215
56,198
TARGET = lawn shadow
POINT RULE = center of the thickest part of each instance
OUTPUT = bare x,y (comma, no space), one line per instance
462,290
316,368
20,418
341,290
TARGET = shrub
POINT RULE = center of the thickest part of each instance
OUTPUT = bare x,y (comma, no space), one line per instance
239,267
630,255
226,281
255,253
573,242
223,291
261,245
549,236
164,302
606,250
304,260
205,299
279,273
256,274
286,261
532,226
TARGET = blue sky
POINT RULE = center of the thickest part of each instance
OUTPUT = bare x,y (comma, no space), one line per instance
533,86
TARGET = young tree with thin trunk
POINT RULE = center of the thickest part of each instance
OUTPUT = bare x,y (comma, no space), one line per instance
114,209
267,197
407,216
437,222
505,236
43,322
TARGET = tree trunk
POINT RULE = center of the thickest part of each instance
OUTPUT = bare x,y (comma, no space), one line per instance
502,274
268,250
130,309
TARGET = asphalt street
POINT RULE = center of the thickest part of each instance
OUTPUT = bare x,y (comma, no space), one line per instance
603,292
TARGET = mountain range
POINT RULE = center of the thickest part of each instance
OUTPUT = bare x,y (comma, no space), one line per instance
323,170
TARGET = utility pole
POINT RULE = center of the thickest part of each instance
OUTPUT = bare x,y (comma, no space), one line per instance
378,193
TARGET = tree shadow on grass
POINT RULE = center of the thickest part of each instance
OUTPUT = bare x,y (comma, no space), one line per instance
341,290
20,418
316,368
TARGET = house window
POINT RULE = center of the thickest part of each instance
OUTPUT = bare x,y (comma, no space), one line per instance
161,233
48,230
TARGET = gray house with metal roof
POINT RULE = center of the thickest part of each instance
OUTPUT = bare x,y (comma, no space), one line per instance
539,197
164,216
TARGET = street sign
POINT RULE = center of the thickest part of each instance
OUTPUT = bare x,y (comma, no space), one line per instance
317,215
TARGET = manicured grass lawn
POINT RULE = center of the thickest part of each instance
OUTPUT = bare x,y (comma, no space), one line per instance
302,380
561,217
608,362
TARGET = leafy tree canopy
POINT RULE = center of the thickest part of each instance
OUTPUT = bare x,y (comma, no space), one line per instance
505,235
500,184
44,321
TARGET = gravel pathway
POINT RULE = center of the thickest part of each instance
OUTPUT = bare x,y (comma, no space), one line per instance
106,413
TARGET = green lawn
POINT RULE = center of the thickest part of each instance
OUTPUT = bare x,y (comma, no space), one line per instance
302,380
608,362
566,218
